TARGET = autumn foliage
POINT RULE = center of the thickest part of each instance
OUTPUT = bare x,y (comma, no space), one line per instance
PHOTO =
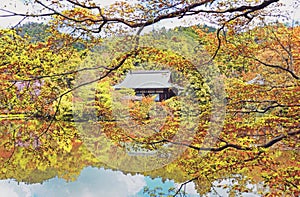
236,119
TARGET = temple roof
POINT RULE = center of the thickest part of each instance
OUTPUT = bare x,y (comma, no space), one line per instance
146,79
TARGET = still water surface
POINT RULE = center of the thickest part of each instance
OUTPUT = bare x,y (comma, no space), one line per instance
94,182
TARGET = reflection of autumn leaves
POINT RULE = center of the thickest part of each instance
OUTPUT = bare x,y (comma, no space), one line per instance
6,151
142,121
26,156
151,119
140,111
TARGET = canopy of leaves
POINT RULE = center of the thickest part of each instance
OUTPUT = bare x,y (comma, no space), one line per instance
59,112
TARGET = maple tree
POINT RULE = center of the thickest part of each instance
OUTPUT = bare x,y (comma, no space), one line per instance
259,66
262,85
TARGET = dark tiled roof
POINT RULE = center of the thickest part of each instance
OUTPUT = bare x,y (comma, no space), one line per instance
146,79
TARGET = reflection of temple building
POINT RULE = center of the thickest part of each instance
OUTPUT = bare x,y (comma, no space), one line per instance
150,83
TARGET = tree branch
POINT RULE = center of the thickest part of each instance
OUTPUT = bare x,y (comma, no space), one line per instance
278,139
227,145
184,11
278,67
84,84
61,74
183,184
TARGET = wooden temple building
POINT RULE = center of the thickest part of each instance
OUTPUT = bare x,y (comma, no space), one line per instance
150,83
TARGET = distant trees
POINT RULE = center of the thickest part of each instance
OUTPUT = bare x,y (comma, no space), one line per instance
36,32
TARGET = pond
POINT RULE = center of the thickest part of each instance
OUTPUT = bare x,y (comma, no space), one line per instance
124,155
95,182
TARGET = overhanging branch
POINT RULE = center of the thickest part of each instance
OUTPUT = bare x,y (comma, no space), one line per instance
189,9
227,144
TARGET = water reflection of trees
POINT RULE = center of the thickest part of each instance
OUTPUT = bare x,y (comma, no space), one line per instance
62,152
